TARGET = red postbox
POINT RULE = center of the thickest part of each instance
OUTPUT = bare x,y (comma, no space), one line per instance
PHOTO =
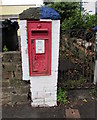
39,47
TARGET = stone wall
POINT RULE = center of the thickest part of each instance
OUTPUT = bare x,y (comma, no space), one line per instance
14,89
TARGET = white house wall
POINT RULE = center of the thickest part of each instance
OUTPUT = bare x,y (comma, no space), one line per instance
95,73
22,2
89,6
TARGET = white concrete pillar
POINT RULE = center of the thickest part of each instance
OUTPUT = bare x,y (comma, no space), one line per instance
43,88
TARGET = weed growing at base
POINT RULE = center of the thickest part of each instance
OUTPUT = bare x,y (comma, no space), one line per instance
61,96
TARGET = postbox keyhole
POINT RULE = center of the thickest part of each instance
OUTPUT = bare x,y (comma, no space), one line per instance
35,57
32,41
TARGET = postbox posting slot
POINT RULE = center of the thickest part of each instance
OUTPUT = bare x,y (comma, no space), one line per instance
39,31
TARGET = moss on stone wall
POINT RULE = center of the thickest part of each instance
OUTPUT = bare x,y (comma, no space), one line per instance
31,13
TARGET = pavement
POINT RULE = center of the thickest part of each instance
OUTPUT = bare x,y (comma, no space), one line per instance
26,111
80,104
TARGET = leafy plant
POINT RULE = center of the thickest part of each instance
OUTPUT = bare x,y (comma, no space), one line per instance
72,17
5,49
78,21
65,9
61,96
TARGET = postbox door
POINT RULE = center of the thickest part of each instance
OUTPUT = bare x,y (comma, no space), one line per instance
39,43
39,56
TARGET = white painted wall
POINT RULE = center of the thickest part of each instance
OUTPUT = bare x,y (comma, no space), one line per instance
0,2
89,6
24,50
95,69
22,2
43,88
95,73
